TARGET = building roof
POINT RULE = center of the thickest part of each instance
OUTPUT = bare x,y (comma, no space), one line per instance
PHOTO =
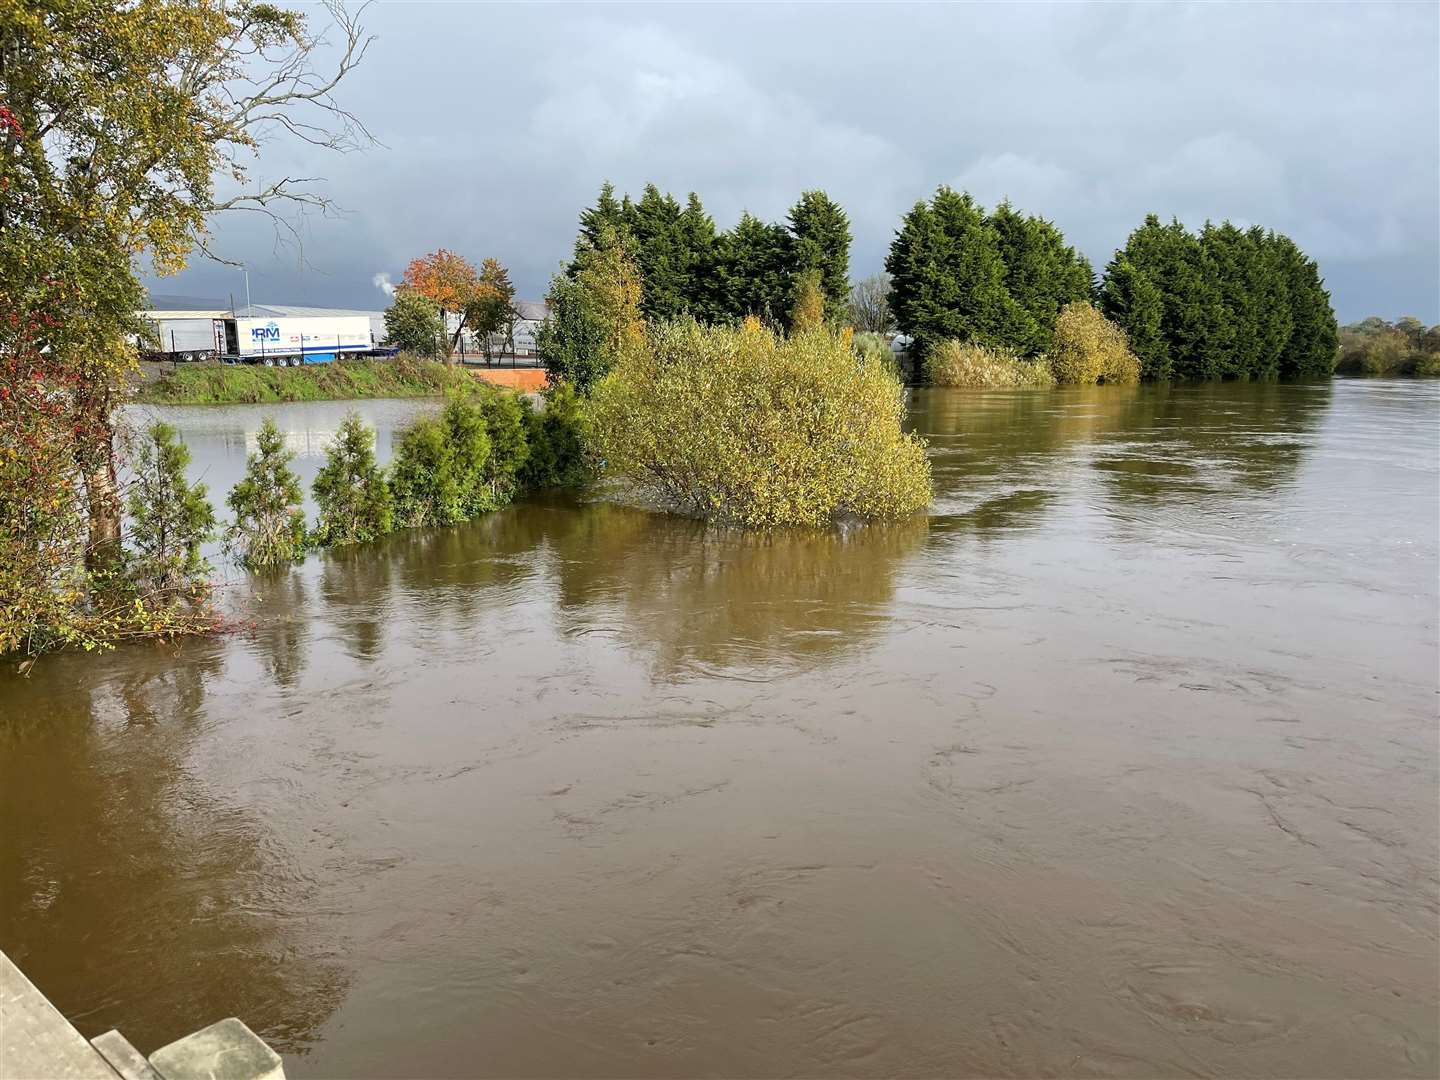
257,311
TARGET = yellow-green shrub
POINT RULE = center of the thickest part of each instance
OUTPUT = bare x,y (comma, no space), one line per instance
955,363
1089,349
740,425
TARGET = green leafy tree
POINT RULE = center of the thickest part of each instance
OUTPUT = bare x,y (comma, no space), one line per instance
754,271
820,234
413,324
269,525
170,519
492,308
504,412
948,278
1042,272
350,490
558,436
696,230
1314,337
439,475
659,250
115,120
1134,302
595,314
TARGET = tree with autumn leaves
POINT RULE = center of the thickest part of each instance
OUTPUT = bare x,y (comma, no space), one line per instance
483,301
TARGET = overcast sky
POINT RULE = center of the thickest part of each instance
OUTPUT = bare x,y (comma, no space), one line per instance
499,122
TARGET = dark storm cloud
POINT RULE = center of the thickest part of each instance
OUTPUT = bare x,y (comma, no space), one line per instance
500,122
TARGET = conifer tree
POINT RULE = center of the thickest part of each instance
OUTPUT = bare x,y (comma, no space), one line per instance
754,271
170,519
607,211
350,491
1042,272
948,277
659,252
821,244
269,525
697,246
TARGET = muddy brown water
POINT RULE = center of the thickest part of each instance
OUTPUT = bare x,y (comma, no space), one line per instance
1124,762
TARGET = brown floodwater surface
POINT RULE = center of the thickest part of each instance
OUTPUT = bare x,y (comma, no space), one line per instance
1123,762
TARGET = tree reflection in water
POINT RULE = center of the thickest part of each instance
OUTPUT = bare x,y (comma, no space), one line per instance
189,906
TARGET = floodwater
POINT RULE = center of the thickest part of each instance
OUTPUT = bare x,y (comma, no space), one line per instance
1124,762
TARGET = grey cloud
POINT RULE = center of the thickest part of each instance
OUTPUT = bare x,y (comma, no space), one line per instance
500,122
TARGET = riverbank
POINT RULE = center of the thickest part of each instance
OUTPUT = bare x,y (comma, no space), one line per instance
236,384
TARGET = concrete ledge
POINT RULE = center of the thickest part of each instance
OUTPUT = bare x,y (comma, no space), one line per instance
227,1050
123,1057
36,1041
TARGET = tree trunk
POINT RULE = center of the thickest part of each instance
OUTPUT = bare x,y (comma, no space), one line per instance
102,493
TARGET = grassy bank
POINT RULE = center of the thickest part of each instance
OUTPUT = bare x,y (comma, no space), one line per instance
236,384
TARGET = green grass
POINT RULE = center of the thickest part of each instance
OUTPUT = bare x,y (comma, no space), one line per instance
244,384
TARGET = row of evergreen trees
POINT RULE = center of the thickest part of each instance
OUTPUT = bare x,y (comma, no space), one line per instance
690,268
1223,303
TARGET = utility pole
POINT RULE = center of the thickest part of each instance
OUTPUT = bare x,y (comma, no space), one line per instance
249,309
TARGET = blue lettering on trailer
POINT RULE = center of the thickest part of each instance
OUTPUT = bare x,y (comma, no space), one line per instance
269,332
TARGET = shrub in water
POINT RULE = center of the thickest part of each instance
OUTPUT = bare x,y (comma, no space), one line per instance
742,426
169,520
505,414
269,526
350,490
557,439
1089,348
439,473
953,363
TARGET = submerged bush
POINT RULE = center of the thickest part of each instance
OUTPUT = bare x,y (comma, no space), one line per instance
1089,348
438,476
954,363
557,436
269,526
170,519
350,490
739,425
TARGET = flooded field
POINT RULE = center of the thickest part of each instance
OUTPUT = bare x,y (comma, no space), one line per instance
1124,762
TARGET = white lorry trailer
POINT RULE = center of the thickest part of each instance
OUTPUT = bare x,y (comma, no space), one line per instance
312,339
281,340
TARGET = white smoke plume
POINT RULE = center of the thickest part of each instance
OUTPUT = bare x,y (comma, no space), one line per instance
382,282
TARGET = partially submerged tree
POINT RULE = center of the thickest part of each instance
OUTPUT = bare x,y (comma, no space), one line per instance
116,121
269,525
595,314
350,491
170,518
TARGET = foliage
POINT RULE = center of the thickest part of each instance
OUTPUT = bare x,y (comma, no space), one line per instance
114,121
1088,348
1042,272
809,310
170,519
687,269
413,323
968,364
869,306
1376,347
1226,303
595,314
492,311
439,476
449,282
350,491
558,439
269,525
740,425
948,278
340,380
753,272
504,413
820,234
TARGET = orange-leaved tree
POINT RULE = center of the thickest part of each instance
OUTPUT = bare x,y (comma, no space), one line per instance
449,282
